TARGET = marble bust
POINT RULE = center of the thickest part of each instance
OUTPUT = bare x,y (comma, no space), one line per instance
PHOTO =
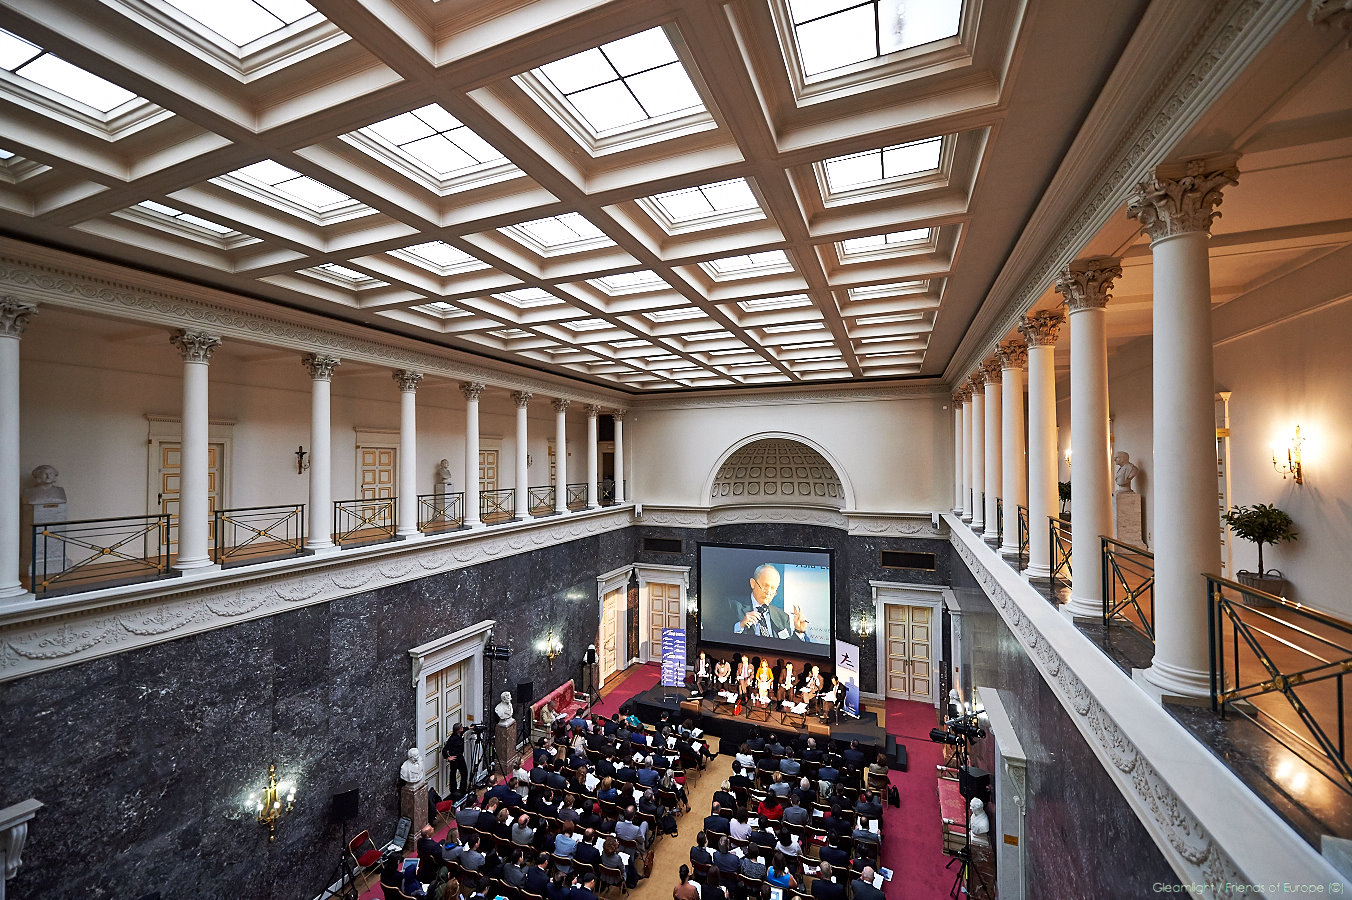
45,489
979,822
412,769
1126,470
444,472
505,710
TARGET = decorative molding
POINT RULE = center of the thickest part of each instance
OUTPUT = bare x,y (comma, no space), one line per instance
1116,718
50,634
675,516
1013,354
990,370
1088,283
195,346
593,410
897,525
407,380
976,382
1332,14
1042,328
796,515
320,367
14,316
1169,206
14,834
851,394
521,398
471,390
560,405
618,414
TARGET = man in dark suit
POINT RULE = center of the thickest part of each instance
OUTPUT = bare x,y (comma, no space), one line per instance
725,860
488,818
585,888
758,615
829,773
428,846
757,742
862,887
537,879
854,757
823,888
586,853
834,855
868,806
812,754
453,751
807,790
699,854
796,814
738,780
715,822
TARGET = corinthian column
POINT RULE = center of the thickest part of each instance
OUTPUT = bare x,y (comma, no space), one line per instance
977,384
1087,285
522,401
966,452
1013,356
321,456
618,415
958,438
194,507
560,455
1040,330
1175,207
593,414
991,371
408,451
471,390
14,316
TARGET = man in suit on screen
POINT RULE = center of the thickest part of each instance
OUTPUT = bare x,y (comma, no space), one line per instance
759,616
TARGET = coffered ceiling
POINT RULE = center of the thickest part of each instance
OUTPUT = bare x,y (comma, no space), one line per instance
645,195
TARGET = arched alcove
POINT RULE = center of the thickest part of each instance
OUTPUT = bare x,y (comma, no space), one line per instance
776,471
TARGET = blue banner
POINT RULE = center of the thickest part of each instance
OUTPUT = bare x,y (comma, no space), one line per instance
847,670
673,657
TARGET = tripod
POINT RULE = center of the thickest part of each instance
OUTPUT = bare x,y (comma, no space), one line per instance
962,881
342,876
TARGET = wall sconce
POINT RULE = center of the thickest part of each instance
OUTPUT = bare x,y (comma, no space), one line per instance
1292,465
278,798
301,462
550,647
1067,457
865,627
692,607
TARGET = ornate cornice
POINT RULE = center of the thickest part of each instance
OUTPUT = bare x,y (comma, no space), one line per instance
14,316
320,367
407,380
522,399
1042,328
1013,354
796,515
851,394
51,634
1088,283
1167,206
471,390
916,525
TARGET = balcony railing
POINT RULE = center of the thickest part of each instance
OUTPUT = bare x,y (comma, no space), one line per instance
1282,666
1023,536
605,492
497,506
258,533
540,500
577,496
364,521
90,554
1128,586
999,521
441,512
1058,532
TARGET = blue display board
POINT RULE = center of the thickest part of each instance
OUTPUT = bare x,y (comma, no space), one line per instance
673,657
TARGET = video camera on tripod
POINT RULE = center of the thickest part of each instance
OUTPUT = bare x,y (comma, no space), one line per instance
958,730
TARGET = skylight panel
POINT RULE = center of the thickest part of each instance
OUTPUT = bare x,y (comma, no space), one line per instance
526,298
709,203
890,319
630,345
679,314
553,235
832,34
767,304
873,167
5,155
792,327
30,61
300,188
629,82
437,140
443,309
243,21
876,243
887,290
171,212
748,264
630,282
707,336
586,324
441,257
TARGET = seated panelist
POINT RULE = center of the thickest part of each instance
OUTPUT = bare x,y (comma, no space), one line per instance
745,673
723,674
788,684
765,682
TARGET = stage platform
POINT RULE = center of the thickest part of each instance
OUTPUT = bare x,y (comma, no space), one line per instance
653,703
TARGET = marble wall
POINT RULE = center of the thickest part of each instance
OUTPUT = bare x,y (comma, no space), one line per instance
1081,838
145,759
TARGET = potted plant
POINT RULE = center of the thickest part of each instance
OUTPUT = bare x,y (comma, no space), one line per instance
1262,524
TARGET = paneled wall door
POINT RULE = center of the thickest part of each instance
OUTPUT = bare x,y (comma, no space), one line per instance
664,611
609,643
170,476
443,706
909,639
377,472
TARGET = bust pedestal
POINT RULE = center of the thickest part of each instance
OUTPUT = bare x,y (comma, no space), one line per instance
504,738
1128,523
52,553
413,803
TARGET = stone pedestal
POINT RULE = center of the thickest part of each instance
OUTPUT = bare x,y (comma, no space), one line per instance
413,803
504,737
1128,523
53,552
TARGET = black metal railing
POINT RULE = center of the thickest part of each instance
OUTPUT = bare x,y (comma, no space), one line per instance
605,492
999,521
1058,534
497,506
1292,653
364,521
577,496
540,500
1128,586
1023,536
258,533
441,512
89,554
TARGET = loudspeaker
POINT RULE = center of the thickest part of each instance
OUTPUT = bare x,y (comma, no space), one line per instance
345,802
525,692
974,782
896,754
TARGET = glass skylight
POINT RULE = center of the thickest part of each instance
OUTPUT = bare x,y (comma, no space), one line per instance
5,155
526,298
887,290
679,314
766,304
890,319
586,324
708,202
443,309
876,242
554,235
441,257
634,80
630,282
243,21
293,185
30,61
349,277
170,212
437,140
629,345
873,167
795,326
509,333
748,264
707,336
836,33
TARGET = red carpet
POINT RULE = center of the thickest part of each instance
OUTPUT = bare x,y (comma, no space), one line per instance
913,848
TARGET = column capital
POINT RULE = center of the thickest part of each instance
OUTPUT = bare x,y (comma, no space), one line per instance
1088,283
1041,329
320,367
560,405
991,369
962,394
1013,354
977,381
521,398
593,410
472,390
1331,14
14,316
1170,203
407,380
618,414
195,346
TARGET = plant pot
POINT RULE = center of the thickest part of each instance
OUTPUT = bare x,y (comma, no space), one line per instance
1270,582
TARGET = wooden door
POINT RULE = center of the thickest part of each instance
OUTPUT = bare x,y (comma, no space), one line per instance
488,470
908,637
377,482
170,484
608,642
443,706
664,611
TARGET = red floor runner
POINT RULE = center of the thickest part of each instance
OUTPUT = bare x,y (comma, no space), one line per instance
913,847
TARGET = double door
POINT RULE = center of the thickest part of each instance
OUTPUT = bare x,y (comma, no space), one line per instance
443,706
909,644
168,484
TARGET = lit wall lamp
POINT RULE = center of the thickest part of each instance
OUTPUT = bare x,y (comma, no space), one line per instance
692,607
865,627
301,462
277,798
1292,464
1067,457
550,647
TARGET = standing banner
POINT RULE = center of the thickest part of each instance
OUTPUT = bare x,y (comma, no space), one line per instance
673,657
847,670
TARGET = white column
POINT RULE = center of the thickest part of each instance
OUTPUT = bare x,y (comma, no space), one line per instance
408,451
977,382
991,369
471,390
619,455
957,453
1176,209
593,470
194,525
14,316
1040,330
966,453
1013,355
522,401
1086,285
560,455
321,457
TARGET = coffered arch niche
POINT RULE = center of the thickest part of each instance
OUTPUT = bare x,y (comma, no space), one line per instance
778,469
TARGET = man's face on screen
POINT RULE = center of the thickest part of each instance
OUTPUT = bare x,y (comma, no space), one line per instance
764,586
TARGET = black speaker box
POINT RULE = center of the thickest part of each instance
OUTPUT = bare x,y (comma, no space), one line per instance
345,802
525,692
896,754
974,782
